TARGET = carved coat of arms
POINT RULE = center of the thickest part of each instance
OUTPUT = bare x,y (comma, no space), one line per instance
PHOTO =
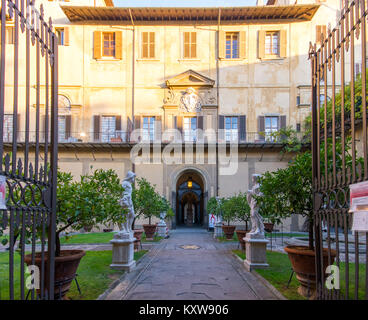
190,101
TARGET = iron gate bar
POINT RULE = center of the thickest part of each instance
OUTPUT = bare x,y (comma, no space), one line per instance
330,186
31,187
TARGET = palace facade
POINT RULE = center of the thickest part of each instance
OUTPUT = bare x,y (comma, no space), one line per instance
134,75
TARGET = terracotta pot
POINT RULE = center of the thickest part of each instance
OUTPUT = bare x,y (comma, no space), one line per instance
137,235
149,230
268,226
303,262
65,269
241,235
229,231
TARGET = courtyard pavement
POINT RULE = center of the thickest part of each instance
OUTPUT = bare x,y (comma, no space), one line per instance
190,265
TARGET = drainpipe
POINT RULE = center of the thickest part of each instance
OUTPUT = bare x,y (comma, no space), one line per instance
218,99
133,73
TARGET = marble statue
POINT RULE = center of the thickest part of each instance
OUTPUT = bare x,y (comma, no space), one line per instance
127,203
255,217
162,216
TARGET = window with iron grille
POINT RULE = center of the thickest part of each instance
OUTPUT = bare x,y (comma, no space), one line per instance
232,45
8,128
108,44
148,128
148,45
190,45
271,125
108,128
190,128
231,128
272,43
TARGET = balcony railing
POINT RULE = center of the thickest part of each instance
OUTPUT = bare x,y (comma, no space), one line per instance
124,137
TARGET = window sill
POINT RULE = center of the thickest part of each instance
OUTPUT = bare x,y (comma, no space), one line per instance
148,60
108,59
188,60
272,59
232,59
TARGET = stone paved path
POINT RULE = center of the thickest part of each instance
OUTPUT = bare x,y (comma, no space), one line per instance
173,273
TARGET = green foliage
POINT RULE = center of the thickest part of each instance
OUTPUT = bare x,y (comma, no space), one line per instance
347,105
236,207
147,201
91,201
214,206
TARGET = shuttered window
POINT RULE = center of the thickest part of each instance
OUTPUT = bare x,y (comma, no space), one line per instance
231,129
148,45
190,45
271,125
108,40
190,129
272,43
148,128
108,128
232,45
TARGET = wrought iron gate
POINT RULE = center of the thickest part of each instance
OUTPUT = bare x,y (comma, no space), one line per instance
28,167
339,147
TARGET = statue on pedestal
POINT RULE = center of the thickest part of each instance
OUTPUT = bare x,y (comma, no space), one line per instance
127,203
255,217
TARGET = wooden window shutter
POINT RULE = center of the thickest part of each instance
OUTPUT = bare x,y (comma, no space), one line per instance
221,126
200,126
158,128
119,45
129,128
179,123
261,127
97,44
66,36
242,128
152,44
137,122
117,123
221,45
283,44
242,45
261,43
68,126
282,122
96,127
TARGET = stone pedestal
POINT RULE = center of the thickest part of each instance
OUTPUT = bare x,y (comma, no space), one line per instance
162,229
218,230
123,251
255,246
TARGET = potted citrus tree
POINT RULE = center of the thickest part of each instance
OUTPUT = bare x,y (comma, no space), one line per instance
147,204
289,191
242,213
228,215
91,201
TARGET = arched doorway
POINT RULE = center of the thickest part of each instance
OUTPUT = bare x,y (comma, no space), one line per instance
190,199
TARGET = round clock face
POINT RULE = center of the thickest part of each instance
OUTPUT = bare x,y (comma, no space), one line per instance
64,104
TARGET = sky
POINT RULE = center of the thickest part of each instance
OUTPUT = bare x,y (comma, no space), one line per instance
184,3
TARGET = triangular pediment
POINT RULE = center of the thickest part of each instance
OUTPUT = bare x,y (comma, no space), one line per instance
190,78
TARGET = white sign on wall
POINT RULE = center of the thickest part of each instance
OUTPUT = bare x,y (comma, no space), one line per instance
359,206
